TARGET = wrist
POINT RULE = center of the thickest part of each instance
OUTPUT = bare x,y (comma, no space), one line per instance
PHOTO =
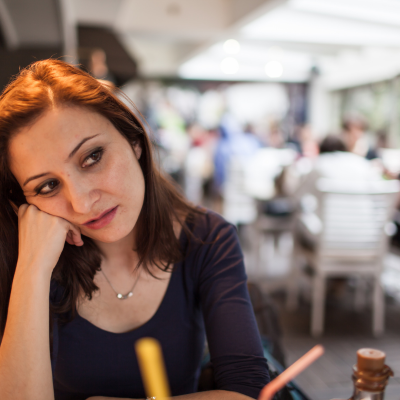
32,272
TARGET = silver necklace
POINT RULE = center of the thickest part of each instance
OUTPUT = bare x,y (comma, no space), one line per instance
120,295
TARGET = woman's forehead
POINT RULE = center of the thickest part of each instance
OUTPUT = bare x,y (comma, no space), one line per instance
59,128
53,136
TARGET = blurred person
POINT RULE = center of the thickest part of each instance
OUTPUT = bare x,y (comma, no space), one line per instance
389,164
173,138
233,151
356,139
308,144
251,135
336,162
382,140
275,136
98,66
331,144
98,249
198,165
232,142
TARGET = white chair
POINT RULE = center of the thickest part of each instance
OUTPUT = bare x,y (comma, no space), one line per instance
272,226
350,227
260,176
391,160
238,206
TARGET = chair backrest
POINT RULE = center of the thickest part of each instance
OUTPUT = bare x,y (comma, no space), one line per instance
391,159
354,216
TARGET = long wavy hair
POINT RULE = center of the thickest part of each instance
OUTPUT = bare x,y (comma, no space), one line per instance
51,83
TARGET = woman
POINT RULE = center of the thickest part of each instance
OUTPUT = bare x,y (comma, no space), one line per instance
138,259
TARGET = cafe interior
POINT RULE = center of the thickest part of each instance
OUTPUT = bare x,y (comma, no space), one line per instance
283,116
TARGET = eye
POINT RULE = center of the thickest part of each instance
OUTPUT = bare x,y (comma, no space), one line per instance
93,158
51,185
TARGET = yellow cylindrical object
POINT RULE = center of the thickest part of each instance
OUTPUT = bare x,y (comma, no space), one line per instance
152,368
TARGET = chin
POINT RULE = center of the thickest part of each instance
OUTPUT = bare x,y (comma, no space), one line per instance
110,236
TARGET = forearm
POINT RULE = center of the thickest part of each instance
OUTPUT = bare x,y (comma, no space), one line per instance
25,367
210,395
213,395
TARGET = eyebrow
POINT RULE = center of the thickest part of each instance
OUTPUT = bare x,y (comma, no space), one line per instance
73,152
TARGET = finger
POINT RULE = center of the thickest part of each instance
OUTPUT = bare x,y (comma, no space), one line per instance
73,240
76,236
73,235
23,208
69,239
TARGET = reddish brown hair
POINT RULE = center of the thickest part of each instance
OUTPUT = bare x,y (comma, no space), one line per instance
47,84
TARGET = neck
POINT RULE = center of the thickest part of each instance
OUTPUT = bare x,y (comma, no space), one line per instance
120,255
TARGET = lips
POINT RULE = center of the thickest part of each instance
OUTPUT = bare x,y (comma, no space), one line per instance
100,216
103,219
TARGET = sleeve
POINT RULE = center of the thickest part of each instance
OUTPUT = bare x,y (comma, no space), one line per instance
234,342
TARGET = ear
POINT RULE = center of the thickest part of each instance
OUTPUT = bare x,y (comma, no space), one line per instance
137,149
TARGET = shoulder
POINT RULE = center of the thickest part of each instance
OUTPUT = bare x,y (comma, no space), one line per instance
212,239
213,250
207,224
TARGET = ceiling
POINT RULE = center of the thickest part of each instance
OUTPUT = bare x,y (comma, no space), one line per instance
34,30
162,34
348,42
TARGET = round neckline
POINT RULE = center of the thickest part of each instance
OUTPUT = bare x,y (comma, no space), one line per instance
164,300
143,326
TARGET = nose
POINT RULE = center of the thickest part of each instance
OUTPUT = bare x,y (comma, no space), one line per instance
82,196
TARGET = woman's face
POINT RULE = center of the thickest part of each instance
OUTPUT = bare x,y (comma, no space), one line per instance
73,163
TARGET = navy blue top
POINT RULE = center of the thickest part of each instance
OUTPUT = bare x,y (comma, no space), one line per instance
206,298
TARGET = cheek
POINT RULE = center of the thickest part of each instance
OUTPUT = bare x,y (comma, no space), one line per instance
56,206
120,181
124,178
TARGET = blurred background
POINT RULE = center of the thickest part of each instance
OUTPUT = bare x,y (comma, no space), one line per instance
284,117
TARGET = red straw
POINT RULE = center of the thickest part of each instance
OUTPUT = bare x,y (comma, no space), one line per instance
290,373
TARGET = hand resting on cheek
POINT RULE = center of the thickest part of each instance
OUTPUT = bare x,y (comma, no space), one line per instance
42,235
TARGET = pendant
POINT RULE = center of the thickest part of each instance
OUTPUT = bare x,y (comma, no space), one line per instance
124,296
